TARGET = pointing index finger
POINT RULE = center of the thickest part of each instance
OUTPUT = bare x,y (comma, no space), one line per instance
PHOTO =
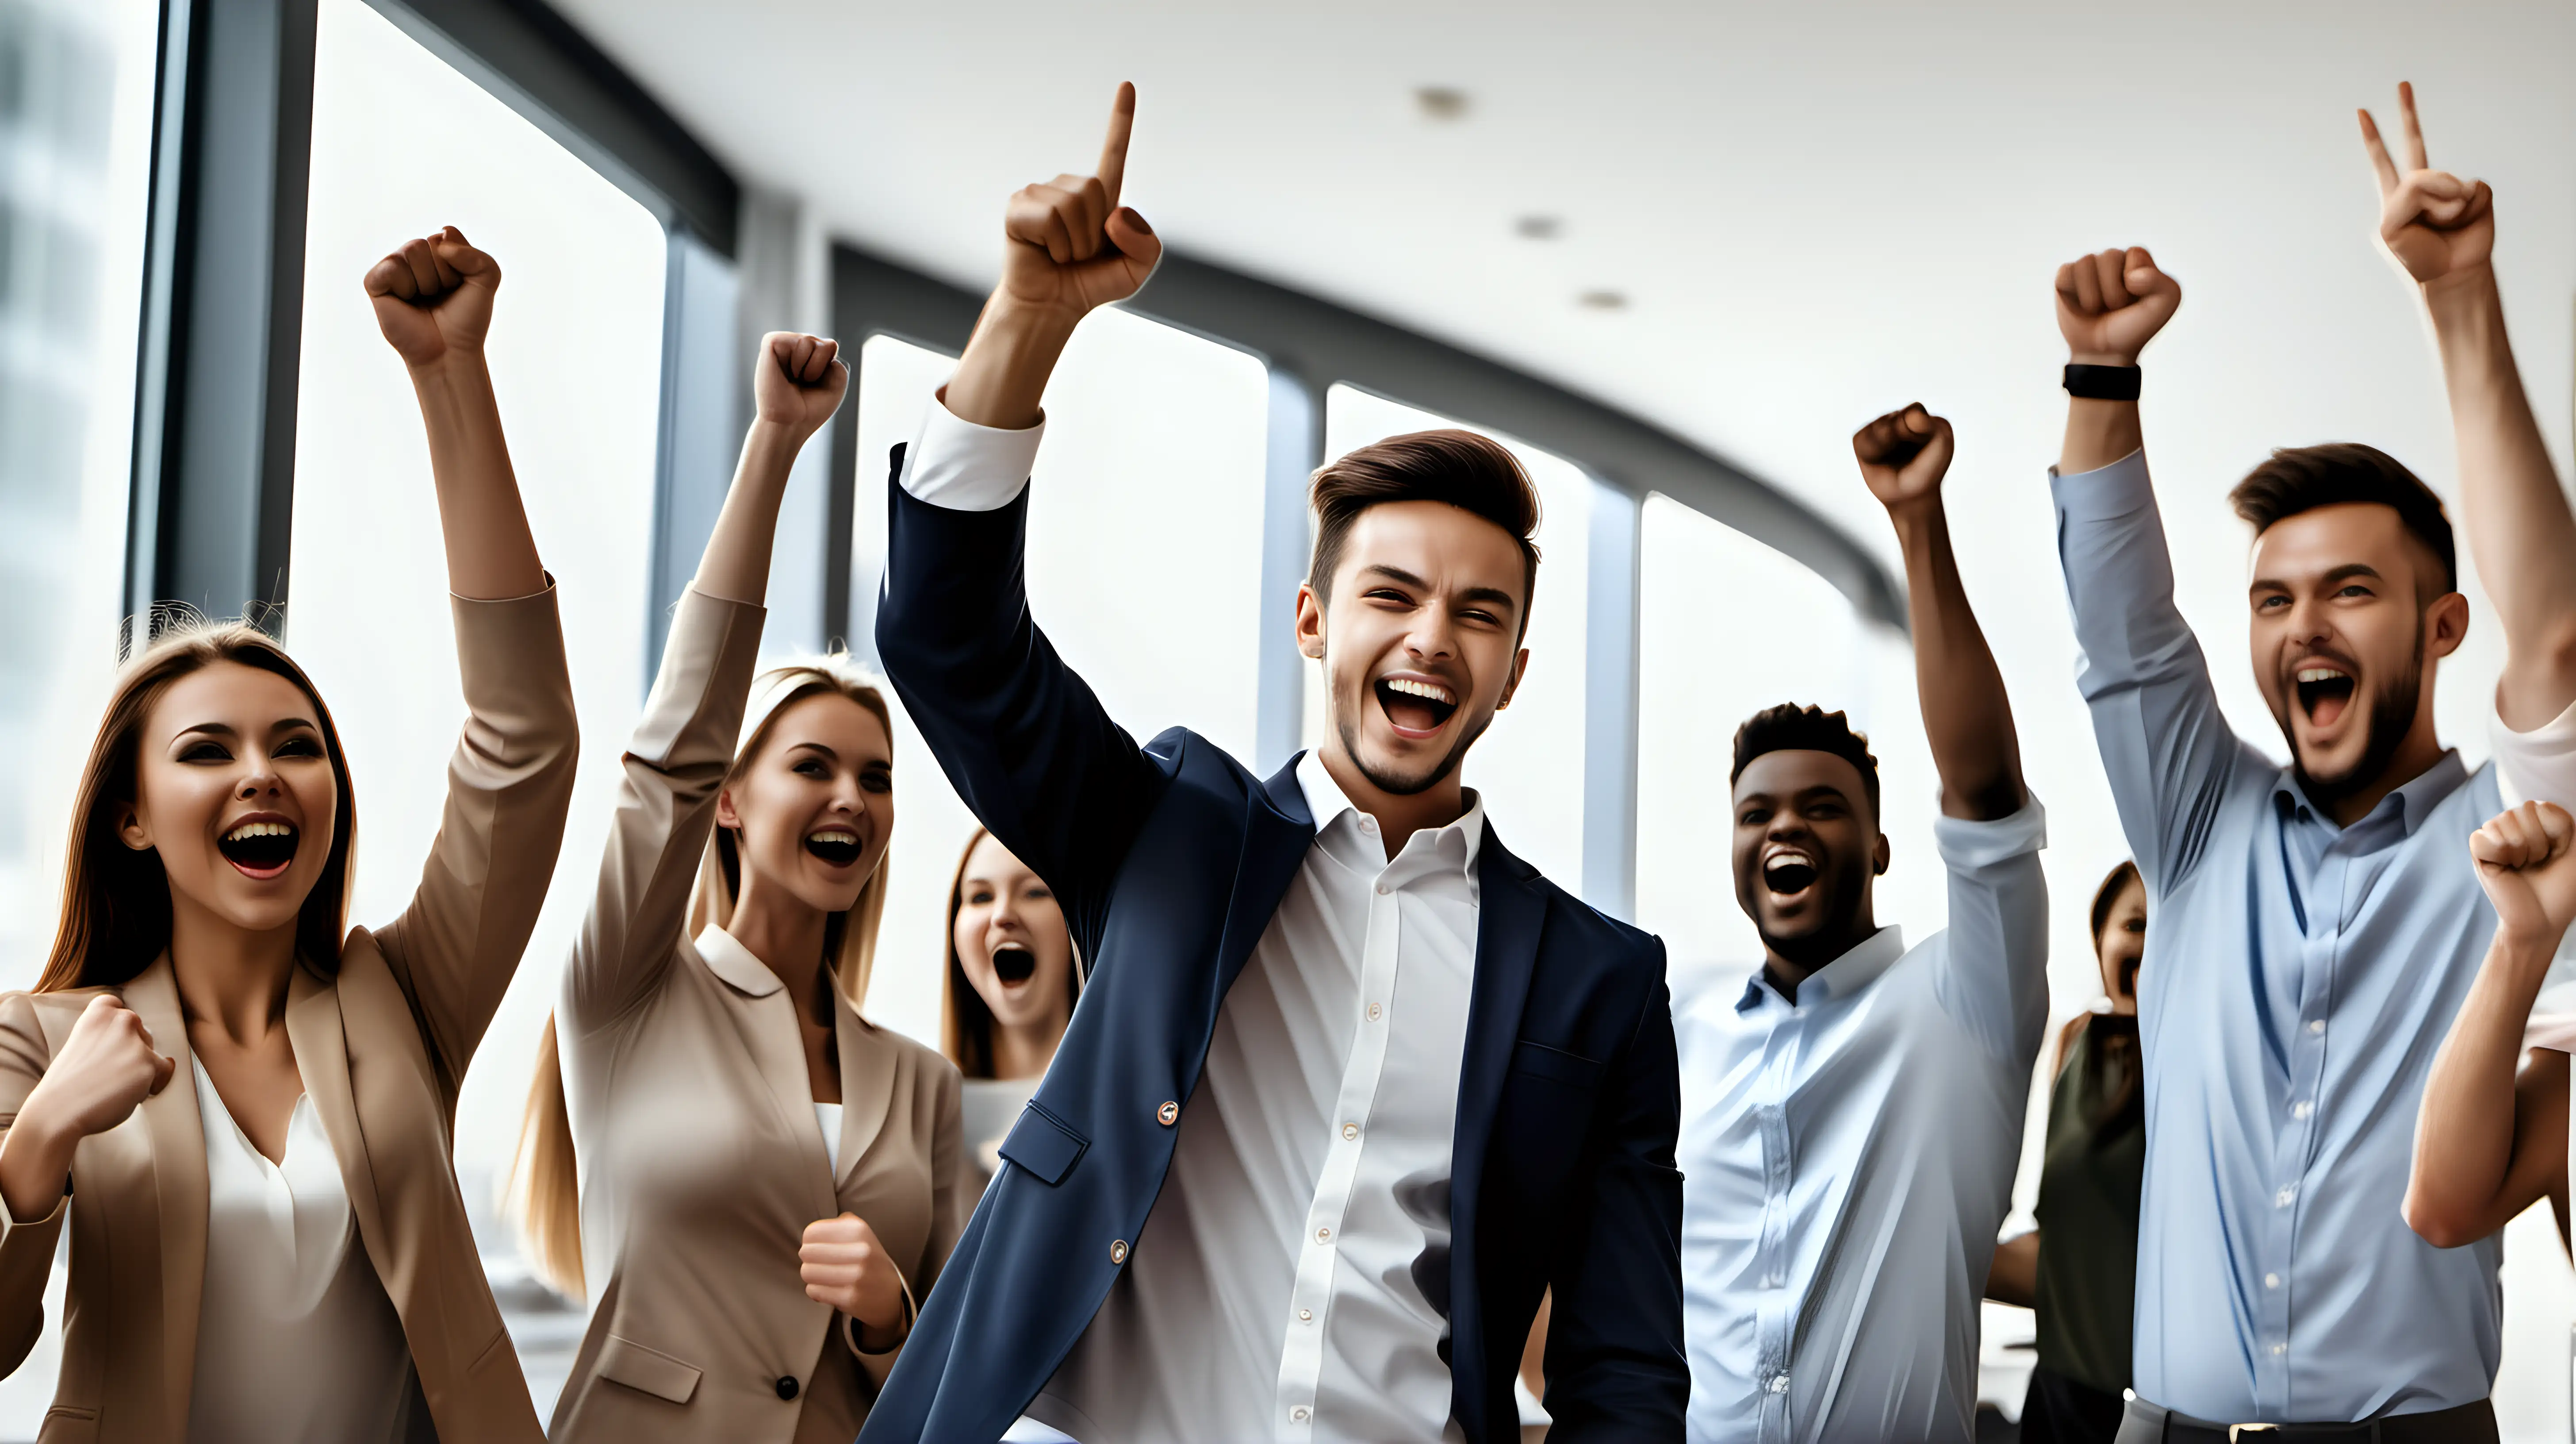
1113,151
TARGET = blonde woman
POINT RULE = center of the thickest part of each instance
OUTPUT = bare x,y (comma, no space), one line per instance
243,1106
767,1182
1012,982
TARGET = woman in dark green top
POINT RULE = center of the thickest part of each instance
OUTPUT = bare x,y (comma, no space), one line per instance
2083,1281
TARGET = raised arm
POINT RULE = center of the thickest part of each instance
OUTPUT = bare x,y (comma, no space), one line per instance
2165,745
509,782
1903,456
1021,736
684,743
2442,230
2491,1137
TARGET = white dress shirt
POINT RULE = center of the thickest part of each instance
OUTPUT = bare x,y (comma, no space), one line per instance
1291,1283
296,1338
1848,1155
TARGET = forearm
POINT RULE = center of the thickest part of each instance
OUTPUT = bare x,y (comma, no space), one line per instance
1003,375
735,566
2098,432
35,1167
491,555
1966,715
2521,532
2464,1133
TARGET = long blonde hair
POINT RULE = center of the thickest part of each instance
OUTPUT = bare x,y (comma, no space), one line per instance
115,916
965,1019
545,1171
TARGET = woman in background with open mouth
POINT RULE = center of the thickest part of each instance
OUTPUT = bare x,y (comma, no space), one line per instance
1012,982
244,1106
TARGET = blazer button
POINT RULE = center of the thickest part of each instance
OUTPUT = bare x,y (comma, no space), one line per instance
787,1387
1117,1251
1169,1113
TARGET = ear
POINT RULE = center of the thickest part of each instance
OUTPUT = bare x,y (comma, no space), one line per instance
727,816
131,829
1520,667
1878,856
2446,624
1310,623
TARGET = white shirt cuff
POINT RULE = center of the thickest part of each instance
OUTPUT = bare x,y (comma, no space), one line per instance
965,467
2538,765
1969,844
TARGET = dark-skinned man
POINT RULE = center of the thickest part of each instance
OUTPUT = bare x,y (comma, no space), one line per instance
1852,1119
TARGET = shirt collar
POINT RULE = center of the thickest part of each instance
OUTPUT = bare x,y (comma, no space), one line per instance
1845,976
1337,820
728,959
2413,802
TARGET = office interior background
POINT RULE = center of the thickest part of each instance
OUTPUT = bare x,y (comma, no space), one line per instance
1673,253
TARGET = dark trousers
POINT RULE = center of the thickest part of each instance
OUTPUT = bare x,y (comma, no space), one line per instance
2059,1410
2146,1423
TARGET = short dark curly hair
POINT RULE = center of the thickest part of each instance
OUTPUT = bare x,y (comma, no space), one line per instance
1789,727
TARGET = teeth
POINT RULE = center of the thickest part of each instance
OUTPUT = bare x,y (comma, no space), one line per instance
1788,855
2322,674
259,829
1411,688
842,836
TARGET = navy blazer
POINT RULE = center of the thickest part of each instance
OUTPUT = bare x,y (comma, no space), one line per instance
1168,861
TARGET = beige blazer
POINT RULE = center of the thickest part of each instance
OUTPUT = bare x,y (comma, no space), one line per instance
693,1118
382,1047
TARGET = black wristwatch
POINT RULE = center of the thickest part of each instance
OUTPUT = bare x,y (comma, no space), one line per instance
2102,383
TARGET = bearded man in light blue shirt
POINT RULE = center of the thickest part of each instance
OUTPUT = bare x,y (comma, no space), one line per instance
2315,929
1852,1118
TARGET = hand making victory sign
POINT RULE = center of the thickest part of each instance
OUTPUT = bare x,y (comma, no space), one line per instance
1070,248
2435,223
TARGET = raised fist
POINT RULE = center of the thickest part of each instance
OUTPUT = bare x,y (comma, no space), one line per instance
1072,247
106,1068
2433,222
2110,305
845,1266
2522,861
433,297
797,381
1903,455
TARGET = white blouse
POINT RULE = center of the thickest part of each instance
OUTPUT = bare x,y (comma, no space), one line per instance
296,1338
827,1116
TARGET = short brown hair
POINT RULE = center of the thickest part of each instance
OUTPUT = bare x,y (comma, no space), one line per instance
1473,473
2303,478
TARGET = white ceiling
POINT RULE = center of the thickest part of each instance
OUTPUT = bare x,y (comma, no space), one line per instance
1819,211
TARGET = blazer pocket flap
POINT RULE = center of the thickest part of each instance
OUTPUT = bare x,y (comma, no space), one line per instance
1043,1145
1556,1063
651,1370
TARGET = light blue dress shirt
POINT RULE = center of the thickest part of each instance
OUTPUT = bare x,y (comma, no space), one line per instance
1847,1157
2298,979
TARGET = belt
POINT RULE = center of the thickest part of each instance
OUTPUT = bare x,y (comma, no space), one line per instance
2467,1424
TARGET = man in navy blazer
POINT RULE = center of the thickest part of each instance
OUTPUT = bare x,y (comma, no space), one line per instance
1350,1086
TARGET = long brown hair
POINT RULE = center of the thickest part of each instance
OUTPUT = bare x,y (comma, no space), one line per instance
116,901
965,1022
550,1196
2117,1063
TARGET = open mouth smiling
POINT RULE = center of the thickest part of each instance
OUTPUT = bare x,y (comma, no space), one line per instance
1415,708
2324,693
1014,964
260,847
1789,871
836,846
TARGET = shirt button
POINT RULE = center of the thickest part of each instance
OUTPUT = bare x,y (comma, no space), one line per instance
1383,889
1301,1413
1118,1251
2271,1281
787,1387
1305,1316
2282,1199
1168,1114
2302,1108
1350,1130
1779,1383
1373,1010
1323,1235
2316,1025
2280,1348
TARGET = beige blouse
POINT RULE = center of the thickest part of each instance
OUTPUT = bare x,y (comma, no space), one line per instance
693,1118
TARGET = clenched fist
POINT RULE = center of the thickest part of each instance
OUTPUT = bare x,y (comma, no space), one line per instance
433,297
843,1265
106,1068
2110,305
2433,222
1072,247
797,381
1903,456
2522,861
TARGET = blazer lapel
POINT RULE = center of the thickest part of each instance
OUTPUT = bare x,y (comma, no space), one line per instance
1509,916
179,1180
315,1029
766,1018
867,1085
1277,833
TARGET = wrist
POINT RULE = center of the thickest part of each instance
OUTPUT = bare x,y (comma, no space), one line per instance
2469,283
2101,358
2525,952
1917,519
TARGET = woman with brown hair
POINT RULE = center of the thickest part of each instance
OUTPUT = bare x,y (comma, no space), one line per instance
1012,982
244,1106
2079,1268
765,1183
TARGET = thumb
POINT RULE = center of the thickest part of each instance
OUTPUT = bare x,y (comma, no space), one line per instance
1135,239
2144,278
163,1068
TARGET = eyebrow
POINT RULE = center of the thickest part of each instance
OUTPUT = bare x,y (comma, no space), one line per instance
1490,596
814,747
2343,573
226,729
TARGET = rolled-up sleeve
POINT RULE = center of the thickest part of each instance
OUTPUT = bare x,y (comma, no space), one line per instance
965,467
1994,973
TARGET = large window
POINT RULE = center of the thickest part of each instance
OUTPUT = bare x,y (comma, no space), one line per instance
1144,568
401,145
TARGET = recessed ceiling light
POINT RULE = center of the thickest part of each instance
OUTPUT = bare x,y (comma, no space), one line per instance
1440,102
1604,300
1539,228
